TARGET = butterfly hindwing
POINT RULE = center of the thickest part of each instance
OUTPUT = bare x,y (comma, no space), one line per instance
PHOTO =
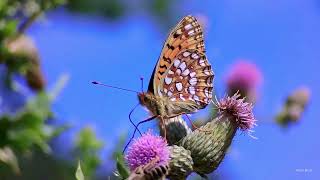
183,72
189,78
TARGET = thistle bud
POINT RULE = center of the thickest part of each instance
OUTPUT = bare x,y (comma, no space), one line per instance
177,129
181,163
209,144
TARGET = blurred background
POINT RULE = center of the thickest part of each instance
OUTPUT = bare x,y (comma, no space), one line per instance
51,116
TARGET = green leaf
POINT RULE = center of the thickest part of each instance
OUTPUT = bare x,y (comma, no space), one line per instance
122,168
79,174
88,140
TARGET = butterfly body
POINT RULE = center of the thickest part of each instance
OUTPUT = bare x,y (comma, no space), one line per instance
164,108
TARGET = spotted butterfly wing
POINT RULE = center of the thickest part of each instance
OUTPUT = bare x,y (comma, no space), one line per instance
183,72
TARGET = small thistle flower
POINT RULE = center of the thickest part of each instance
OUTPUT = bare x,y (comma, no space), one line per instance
244,77
178,129
147,148
238,110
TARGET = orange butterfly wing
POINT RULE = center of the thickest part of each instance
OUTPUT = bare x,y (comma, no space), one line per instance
183,51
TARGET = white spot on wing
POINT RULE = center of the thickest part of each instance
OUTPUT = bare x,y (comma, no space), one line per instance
192,90
193,81
192,74
195,56
207,72
178,71
179,86
183,66
206,92
181,97
191,32
169,93
186,72
201,62
186,54
170,72
176,63
188,26
168,80
196,98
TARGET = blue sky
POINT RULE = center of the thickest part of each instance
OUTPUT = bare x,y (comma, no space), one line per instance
282,38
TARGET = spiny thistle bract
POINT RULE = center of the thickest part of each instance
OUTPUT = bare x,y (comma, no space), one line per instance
202,150
239,111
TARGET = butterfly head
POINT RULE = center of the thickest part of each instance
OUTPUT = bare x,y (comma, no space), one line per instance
150,101
145,99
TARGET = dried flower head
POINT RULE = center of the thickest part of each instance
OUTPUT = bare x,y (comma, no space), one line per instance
237,110
294,107
300,96
25,46
147,148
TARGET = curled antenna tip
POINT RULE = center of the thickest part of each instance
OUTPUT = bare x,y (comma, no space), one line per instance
141,78
94,82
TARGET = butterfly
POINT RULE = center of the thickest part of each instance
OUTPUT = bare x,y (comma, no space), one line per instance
182,80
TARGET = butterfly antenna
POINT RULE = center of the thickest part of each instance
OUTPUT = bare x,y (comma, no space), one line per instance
115,87
131,119
141,78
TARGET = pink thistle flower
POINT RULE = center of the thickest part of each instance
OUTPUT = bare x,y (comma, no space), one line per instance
238,111
147,148
244,77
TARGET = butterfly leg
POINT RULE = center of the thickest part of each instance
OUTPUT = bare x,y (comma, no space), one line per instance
131,119
194,126
135,130
162,125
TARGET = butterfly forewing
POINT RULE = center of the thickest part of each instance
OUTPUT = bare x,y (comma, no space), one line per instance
186,35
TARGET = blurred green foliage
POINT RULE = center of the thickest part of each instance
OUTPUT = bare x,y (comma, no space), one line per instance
17,51
27,130
87,148
162,10
108,8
